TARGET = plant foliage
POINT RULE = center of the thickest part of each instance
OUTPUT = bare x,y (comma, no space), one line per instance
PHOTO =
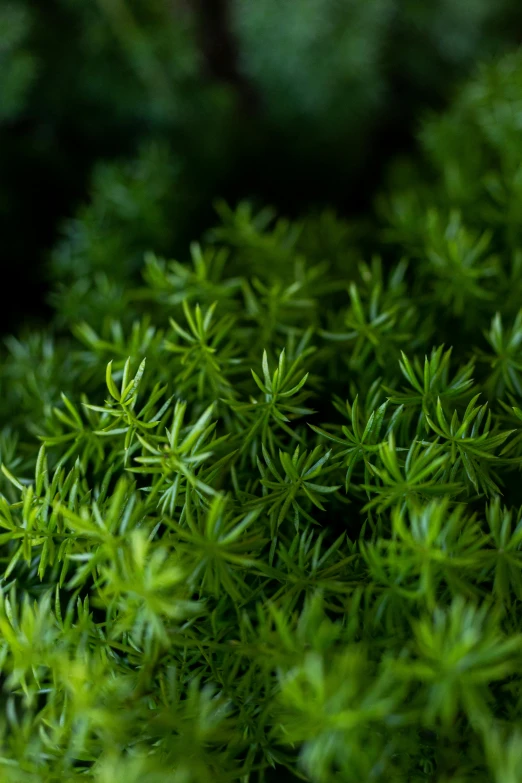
260,514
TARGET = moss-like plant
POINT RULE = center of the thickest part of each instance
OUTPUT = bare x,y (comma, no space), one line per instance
260,513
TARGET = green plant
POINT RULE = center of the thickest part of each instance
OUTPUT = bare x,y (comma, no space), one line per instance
256,520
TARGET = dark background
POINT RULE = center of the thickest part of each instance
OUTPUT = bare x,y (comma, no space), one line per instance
86,104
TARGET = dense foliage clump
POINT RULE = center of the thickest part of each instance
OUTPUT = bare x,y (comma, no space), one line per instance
261,510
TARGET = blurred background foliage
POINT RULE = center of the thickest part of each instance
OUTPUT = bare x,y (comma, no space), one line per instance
122,120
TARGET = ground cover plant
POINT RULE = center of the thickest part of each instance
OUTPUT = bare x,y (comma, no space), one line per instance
260,512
